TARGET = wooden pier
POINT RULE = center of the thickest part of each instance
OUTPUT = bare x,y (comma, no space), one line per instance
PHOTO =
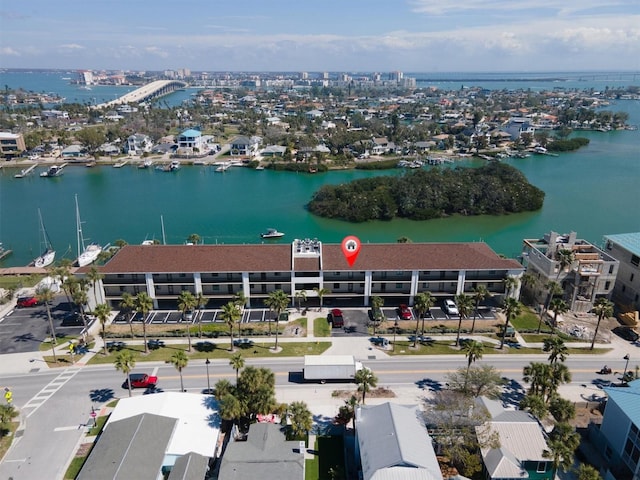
25,171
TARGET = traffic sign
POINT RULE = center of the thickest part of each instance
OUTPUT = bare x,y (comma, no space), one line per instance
93,414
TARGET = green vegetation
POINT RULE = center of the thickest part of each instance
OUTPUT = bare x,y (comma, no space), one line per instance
14,282
74,467
493,189
297,166
321,327
560,145
329,462
378,165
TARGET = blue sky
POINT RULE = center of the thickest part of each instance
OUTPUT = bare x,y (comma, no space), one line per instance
327,35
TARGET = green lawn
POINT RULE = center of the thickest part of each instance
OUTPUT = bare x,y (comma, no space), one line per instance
217,351
330,457
321,327
528,321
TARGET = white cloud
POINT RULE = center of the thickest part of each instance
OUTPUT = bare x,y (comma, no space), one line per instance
491,7
72,46
9,51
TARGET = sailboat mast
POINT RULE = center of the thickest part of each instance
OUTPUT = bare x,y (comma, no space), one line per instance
79,227
164,239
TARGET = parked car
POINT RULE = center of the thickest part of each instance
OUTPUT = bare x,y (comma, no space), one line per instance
242,342
450,307
141,380
24,302
627,333
335,318
404,312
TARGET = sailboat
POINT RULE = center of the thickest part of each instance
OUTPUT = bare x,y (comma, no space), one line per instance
88,254
49,254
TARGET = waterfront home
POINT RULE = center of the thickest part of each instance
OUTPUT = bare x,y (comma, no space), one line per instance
517,126
137,144
73,151
11,144
245,146
395,272
191,141
625,247
273,151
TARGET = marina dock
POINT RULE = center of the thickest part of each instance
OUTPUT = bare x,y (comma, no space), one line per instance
120,164
25,171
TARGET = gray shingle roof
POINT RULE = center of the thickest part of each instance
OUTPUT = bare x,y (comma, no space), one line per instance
189,467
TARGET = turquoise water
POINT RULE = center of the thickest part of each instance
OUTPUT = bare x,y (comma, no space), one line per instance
593,191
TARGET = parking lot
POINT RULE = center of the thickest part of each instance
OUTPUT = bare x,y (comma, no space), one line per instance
23,329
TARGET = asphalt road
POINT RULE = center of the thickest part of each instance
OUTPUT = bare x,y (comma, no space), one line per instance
56,404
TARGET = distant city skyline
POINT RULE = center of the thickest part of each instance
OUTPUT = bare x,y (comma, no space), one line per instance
332,35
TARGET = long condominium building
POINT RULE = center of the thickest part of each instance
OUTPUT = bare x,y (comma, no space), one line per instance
396,272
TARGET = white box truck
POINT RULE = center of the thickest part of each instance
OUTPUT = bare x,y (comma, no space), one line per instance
323,368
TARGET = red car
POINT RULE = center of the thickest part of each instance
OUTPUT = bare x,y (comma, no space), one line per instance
405,313
336,319
141,380
27,302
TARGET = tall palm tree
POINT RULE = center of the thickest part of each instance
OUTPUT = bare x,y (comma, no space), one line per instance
179,360
562,444
237,362
222,387
125,362
230,314
143,305
80,298
94,276
565,258
473,350
321,292
480,292
553,289
45,295
465,305
510,284
512,309
301,419
102,313
558,306
422,303
556,348
201,302
603,308
366,380
529,281
186,303
301,296
376,304
128,304
278,301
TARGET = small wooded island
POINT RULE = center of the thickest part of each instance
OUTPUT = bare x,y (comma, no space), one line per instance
493,189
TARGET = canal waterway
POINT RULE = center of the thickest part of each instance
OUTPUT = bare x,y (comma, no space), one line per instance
594,191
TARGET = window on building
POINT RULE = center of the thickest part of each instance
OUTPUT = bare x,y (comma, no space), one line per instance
635,260
624,287
183,275
607,285
631,278
336,286
610,269
215,288
398,286
542,467
170,289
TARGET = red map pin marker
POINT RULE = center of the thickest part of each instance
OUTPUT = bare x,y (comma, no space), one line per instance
351,249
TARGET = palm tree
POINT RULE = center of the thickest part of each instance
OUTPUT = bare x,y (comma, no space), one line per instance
179,360
94,276
128,304
365,379
45,295
102,312
187,302
278,301
556,348
480,292
237,362
144,304
321,293
194,238
80,298
465,305
562,444
222,387
553,288
528,280
230,314
473,350
201,302
422,303
376,304
301,419
603,308
512,308
301,296
510,284
558,306
564,257
125,362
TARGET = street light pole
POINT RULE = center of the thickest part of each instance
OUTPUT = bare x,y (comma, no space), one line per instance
395,327
207,362
626,365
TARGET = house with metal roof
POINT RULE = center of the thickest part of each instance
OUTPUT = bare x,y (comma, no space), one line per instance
191,142
625,247
392,443
618,437
147,436
519,452
266,454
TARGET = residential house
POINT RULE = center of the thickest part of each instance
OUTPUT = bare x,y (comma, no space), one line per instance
313,114
191,142
73,151
381,145
521,442
516,126
617,439
11,144
245,146
392,443
137,144
147,436
625,247
273,151
266,454
590,276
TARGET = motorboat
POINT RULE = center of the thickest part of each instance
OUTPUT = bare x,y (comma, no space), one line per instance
53,171
146,163
272,233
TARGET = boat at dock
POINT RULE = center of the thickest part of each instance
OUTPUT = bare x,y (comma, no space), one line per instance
26,171
88,254
49,254
272,233
4,252
54,171
146,164
174,166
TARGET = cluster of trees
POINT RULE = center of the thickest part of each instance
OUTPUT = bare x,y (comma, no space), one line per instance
492,189
560,145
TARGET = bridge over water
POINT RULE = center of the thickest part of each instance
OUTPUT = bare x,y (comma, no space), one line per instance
147,92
